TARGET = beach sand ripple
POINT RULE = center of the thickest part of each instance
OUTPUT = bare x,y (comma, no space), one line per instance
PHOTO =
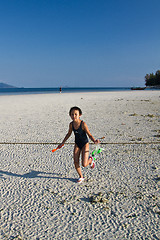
120,197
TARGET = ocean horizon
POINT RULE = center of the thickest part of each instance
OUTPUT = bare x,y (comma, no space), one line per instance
16,91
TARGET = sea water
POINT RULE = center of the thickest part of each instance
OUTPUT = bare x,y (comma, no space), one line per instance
22,91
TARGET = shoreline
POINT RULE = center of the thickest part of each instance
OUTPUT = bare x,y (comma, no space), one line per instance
26,91
109,93
113,90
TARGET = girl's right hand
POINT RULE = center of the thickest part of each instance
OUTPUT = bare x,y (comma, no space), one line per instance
60,145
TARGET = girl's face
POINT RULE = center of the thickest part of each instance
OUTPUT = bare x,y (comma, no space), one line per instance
75,115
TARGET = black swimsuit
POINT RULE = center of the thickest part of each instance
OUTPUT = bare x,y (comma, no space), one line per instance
80,136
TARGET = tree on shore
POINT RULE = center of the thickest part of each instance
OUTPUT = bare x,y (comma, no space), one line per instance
153,79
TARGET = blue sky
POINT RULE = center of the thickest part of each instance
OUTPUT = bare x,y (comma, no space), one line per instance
78,43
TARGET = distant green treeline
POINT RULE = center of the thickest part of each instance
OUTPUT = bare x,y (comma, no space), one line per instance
152,79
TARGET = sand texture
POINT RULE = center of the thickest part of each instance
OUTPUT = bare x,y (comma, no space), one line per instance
120,197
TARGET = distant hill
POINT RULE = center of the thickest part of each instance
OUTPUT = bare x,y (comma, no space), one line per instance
4,85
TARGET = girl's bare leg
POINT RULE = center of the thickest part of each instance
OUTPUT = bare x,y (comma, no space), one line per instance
77,152
85,155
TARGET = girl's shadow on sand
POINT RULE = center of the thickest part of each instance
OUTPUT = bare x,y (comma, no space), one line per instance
36,174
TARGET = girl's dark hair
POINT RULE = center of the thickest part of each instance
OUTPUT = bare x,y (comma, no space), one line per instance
75,108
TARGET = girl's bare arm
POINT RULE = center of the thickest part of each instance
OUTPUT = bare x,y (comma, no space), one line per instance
89,134
67,135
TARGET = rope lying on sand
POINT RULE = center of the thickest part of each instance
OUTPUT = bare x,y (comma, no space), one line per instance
55,143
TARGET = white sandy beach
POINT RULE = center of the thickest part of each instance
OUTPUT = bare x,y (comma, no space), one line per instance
39,196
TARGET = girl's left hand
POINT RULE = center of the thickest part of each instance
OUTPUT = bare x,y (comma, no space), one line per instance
97,141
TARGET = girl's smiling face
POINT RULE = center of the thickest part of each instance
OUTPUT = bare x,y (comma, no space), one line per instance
75,115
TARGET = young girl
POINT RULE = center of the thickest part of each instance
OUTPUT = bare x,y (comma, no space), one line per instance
81,131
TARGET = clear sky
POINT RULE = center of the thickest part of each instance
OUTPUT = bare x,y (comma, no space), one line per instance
78,43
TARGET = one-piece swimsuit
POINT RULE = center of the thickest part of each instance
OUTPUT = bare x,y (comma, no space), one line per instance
80,136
